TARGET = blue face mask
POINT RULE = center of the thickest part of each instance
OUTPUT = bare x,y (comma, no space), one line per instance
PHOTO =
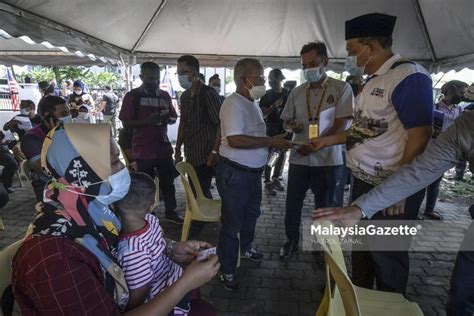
313,74
351,65
66,119
120,183
184,82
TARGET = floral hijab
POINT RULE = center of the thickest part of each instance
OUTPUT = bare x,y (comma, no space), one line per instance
78,158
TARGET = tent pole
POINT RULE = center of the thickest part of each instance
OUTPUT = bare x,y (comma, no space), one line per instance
148,26
426,35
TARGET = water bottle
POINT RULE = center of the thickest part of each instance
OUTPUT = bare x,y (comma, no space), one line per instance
273,157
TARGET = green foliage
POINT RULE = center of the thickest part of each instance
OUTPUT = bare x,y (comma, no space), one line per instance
92,79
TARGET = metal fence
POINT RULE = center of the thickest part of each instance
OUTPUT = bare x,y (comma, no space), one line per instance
5,102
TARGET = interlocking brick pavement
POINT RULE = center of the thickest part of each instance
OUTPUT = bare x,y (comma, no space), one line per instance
272,287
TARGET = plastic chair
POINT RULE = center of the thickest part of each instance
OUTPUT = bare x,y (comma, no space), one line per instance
349,299
198,208
25,169
6,257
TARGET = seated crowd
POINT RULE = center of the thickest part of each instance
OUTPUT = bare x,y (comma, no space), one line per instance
96,246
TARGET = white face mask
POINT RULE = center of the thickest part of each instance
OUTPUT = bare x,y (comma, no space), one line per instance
78,92
84,115
217,88
256,92
24,112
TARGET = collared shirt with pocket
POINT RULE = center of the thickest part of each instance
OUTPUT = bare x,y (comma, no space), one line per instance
338,98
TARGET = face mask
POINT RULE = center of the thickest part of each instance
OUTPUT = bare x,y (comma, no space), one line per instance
24,112
313,74
256,92
78,92
218,89
151,87
120,183
66,119
184,82
84,115
351,65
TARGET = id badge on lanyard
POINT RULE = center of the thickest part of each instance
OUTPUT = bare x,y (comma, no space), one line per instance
313,130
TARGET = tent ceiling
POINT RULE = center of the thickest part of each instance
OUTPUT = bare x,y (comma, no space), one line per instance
15,51
437,33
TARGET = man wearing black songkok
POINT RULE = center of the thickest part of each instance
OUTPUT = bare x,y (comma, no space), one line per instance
392,125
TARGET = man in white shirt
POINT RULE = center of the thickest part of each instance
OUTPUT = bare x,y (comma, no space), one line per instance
242,157
324,104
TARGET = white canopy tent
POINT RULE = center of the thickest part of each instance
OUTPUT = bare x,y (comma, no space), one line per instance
16,51
436,33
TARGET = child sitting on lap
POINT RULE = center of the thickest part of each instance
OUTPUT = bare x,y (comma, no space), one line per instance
142,247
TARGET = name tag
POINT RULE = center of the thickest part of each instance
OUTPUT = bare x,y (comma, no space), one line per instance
313,131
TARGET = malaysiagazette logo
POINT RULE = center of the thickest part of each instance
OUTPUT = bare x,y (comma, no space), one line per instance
368,230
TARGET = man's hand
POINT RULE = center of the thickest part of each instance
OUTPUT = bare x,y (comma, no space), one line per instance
396,209
278,142
200,272
211,159
317,143
154,119
185,252
177,155
304,150
349,216
19,155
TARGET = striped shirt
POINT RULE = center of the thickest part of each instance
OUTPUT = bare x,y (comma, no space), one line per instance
141,255
200,114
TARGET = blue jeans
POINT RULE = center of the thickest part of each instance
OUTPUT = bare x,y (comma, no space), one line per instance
241,194
327,185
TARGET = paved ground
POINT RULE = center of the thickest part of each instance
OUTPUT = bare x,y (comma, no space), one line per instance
272,287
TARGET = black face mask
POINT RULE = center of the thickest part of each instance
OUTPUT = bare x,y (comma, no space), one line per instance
456,99
151,87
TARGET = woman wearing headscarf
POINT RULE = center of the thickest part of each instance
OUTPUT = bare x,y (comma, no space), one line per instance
67,263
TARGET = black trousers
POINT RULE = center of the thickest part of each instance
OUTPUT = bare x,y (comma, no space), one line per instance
204,174
389,269
10,166
165,170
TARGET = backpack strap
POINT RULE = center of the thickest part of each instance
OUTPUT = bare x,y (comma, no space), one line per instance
402,62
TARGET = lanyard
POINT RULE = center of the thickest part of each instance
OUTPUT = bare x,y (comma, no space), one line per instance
308,106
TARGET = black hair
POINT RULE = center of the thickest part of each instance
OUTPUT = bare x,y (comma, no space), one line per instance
140,196
453,85
319,47
48,104
214,77
277,72
29,104
190,61
107,87
384,41
149,65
